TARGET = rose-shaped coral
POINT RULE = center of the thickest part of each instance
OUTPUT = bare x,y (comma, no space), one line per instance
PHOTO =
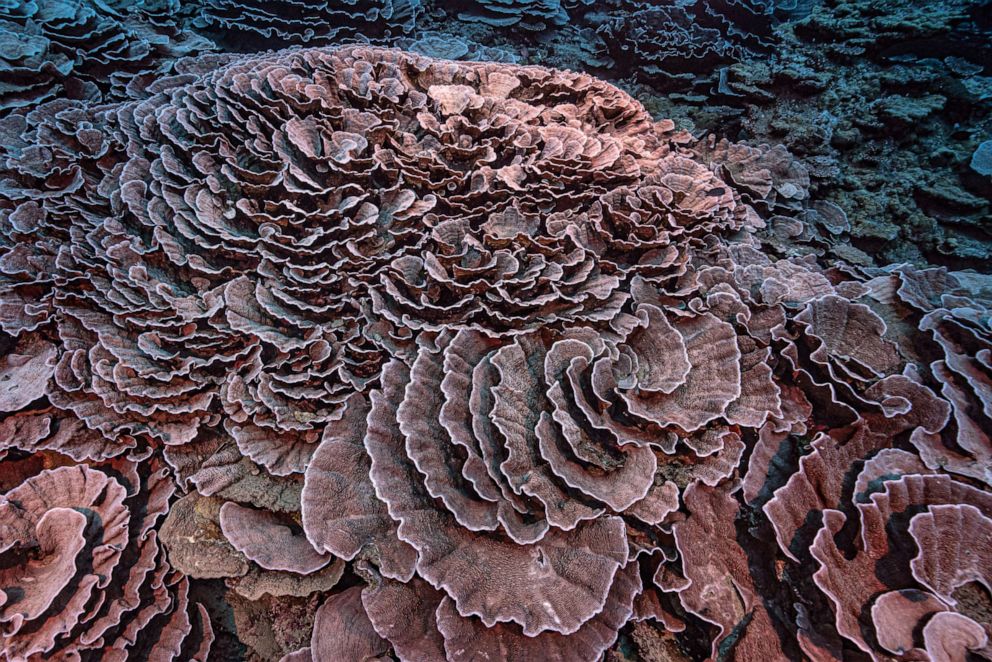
256,26
551,455
82,571
494,338
80,49
254,278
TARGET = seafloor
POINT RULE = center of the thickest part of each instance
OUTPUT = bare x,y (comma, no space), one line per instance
427,353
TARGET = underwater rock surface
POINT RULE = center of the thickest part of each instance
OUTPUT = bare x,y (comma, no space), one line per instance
344,331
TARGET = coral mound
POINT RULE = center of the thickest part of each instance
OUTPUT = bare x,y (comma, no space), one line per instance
495,339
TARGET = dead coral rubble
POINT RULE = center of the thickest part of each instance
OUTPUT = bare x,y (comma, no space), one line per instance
492,341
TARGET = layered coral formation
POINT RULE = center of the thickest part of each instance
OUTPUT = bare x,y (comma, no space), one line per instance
533,15
82,569
84,50
652,40
253,26
404,356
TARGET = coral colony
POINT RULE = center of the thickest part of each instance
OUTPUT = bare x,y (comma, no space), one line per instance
528,330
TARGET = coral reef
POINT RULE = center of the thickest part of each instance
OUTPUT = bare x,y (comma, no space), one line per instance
260,25
886,104
352,352
340,330
80,49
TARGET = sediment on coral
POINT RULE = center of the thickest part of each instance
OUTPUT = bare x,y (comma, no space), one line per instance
342,353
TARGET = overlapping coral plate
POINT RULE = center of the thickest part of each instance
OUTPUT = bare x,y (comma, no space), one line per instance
352,353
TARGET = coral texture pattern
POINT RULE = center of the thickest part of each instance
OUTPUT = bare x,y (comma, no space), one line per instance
352,353
89,575
258,25
81,50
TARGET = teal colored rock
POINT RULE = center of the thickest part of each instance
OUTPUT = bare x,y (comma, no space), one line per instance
981,160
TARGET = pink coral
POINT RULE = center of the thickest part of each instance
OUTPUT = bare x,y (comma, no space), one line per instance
491,339
83,570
